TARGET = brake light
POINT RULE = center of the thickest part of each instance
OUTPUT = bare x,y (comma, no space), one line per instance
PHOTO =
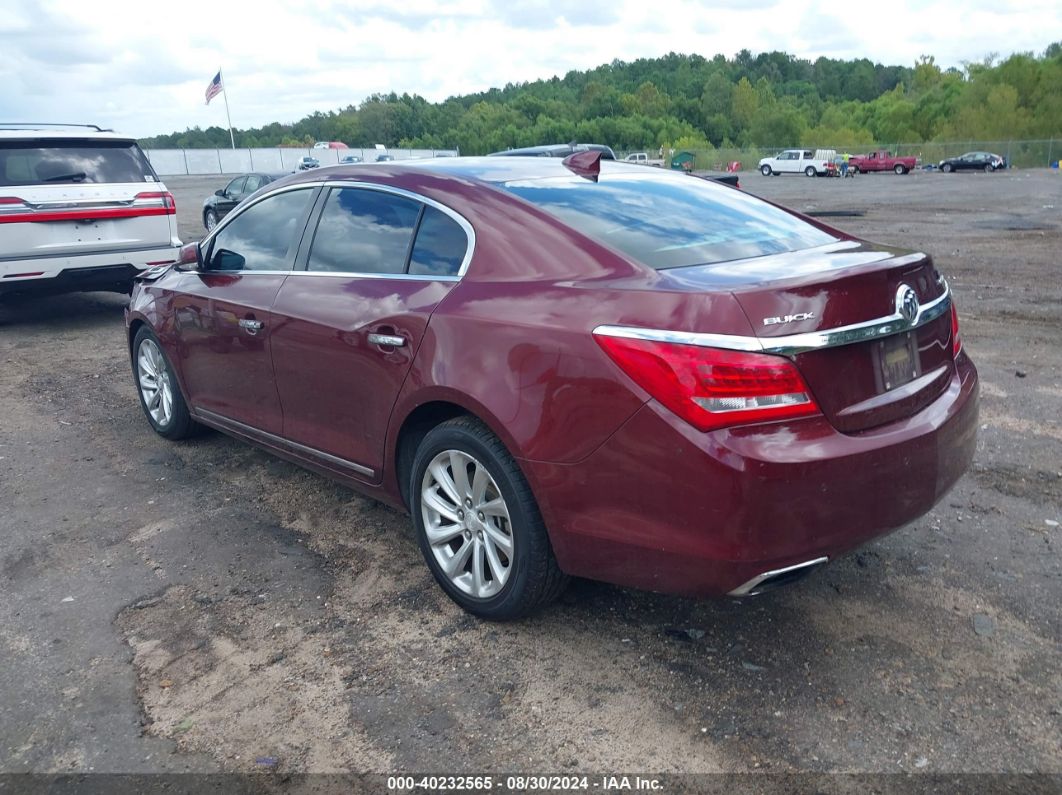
712,388
956,338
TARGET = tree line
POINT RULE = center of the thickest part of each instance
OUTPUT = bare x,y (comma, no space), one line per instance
692,102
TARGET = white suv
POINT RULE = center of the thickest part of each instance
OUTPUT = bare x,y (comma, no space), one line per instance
80,209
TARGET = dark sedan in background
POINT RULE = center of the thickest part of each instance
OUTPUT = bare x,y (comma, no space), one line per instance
574,367
973,161
221,203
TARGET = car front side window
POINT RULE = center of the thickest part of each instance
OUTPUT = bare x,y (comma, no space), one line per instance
263,236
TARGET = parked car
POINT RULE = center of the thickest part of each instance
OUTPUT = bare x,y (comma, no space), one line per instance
220,203
570,368
80,209
384,158
350,159
306,163
979,161
881,160
556,150
330,145
643,159
798,161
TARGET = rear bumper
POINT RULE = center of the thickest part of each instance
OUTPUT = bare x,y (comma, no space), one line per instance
103,271
663,507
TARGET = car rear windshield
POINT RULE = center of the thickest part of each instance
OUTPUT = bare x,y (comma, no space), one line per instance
53,162
670,221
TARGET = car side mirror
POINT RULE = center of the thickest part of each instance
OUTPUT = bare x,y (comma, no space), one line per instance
220,192
225,260
190,258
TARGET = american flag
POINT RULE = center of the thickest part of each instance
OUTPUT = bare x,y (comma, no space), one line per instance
214,88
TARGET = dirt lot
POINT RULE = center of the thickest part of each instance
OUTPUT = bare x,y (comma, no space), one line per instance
203,606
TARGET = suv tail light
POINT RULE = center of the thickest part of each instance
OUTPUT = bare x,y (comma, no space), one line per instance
157,199
956,339
712,388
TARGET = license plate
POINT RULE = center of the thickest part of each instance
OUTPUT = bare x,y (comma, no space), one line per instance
898,361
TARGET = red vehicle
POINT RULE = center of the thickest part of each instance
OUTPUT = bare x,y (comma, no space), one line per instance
712,397
881,160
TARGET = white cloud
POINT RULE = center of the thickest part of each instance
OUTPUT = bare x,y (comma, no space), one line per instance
143,68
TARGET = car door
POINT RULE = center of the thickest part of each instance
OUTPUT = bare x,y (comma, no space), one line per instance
222,323
346,328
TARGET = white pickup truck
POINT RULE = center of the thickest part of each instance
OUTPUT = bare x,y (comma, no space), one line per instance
798,161
643,159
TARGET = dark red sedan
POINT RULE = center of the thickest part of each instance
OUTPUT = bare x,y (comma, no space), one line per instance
590,369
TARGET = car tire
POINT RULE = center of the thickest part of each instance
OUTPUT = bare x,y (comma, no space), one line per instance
765,170
988,168
158,389
900,169
853,170
809,171
946,168
210,220
498,563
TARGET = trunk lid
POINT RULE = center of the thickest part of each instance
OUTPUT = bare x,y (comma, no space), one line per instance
68,220
868,327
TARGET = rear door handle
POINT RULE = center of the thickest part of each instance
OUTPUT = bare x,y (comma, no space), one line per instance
387,339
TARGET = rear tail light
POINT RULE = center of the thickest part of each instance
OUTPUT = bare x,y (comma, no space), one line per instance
712,388
956,338
156,199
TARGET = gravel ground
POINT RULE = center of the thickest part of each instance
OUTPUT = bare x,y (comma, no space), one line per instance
203,606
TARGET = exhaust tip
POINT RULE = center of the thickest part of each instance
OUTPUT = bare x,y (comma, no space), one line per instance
777,577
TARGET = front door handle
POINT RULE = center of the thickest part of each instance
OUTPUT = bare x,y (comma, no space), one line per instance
387,339
251,326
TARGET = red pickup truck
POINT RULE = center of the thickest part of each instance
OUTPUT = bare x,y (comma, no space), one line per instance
881,160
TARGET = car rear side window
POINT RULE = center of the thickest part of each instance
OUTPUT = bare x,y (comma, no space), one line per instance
440,247
363,231
58,161
261,237
670,221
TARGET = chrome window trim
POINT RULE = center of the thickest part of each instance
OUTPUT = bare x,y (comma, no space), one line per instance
793,344
279,441
414,277
241,208
460,220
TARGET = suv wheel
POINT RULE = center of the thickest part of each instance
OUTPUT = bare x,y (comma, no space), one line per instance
809,171
765,170
210,220
478,525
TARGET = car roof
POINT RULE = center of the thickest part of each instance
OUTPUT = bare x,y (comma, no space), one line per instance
489,169
67,134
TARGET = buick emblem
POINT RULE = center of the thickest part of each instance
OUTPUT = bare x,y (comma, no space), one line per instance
907,304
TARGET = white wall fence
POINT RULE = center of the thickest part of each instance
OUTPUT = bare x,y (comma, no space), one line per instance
170,162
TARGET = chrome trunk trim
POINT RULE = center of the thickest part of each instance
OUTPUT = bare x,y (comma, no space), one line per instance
793,344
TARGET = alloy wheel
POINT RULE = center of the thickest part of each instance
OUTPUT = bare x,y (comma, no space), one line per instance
467,524
154,379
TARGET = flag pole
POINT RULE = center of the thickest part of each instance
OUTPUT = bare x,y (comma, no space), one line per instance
225,91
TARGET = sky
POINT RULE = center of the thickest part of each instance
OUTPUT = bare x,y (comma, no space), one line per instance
142,68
